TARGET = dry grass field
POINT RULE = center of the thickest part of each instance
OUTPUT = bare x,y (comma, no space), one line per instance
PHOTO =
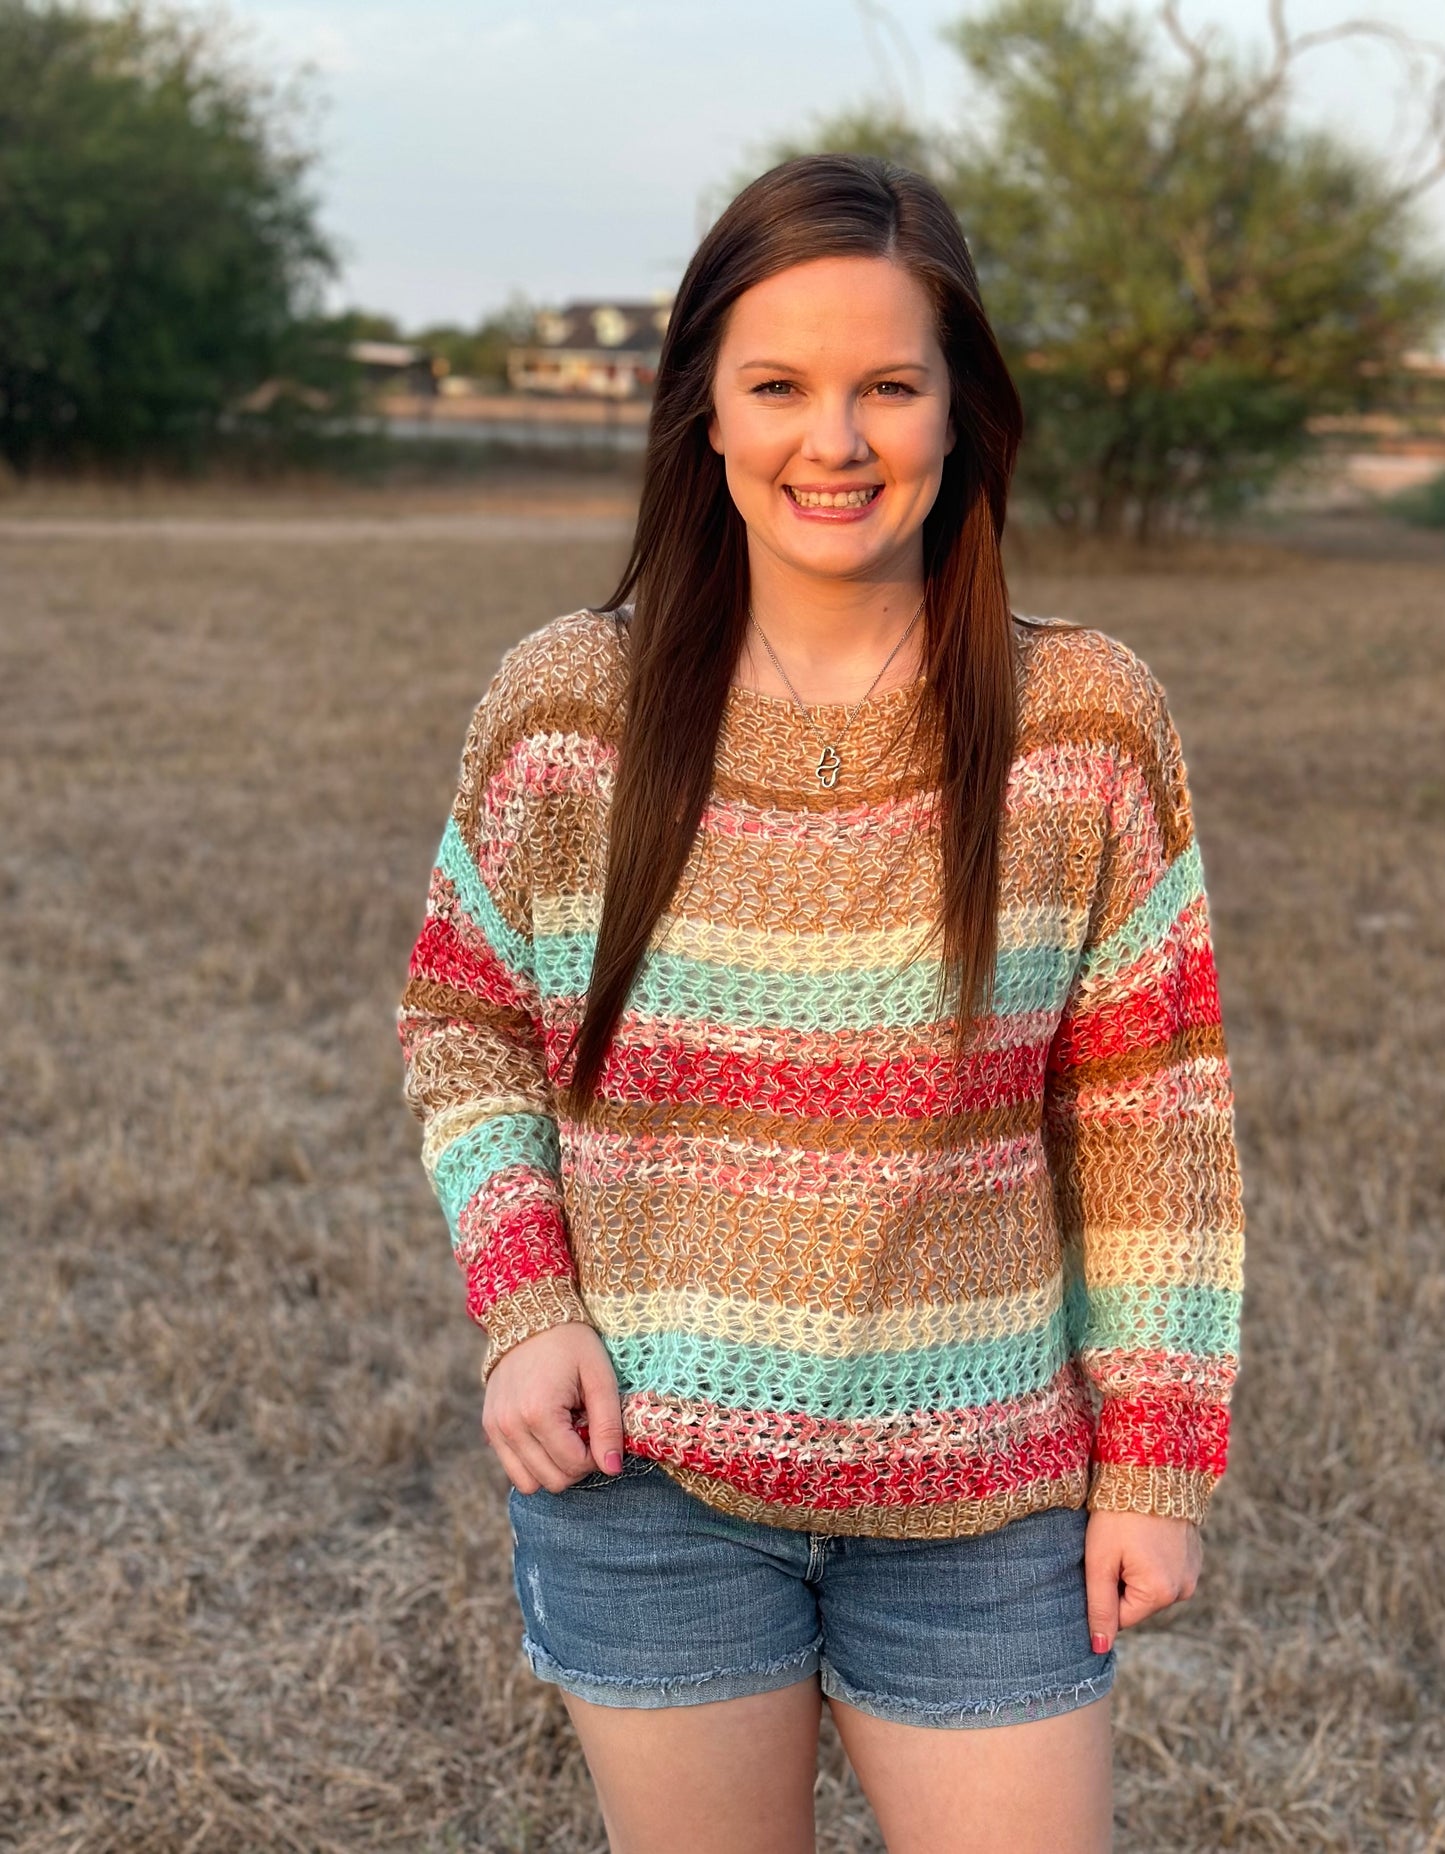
256,1581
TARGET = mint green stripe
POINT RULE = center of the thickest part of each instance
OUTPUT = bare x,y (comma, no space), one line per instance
466,1163
675,985
1181,883
1200,1321
763,1377
456,862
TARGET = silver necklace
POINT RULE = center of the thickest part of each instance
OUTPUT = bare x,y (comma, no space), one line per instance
830,762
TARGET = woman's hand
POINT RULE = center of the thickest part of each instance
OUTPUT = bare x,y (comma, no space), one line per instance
530,1401
1156,1560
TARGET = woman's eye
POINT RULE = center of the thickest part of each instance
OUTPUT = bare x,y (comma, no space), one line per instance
895,389
773,389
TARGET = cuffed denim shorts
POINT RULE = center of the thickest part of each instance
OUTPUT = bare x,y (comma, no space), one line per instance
636,1593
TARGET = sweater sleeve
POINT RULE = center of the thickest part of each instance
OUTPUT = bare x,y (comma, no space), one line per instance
473,1055
1139,1127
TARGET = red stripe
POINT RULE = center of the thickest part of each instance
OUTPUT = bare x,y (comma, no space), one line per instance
894,1087
522,1245
467,964
1185,998
975,1473
1159,1432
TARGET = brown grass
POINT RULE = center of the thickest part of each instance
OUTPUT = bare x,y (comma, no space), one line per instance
256,1576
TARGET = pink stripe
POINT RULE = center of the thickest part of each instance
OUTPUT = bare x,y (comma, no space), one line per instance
797,1460
1195,1085
748,1166
501,1252
1174,1377
1046,777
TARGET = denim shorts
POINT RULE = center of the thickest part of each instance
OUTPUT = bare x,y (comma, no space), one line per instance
634,1592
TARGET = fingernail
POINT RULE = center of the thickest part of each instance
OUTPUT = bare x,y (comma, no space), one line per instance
1100,1644
613,1462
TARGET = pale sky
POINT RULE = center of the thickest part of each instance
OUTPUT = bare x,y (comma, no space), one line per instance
570,148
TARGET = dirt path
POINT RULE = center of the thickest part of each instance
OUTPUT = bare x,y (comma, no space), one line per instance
307,529
1345,536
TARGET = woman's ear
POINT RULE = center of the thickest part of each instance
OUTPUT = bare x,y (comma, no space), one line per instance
950,437
713,437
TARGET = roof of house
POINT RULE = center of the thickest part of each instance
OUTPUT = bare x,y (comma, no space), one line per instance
622,327
387,353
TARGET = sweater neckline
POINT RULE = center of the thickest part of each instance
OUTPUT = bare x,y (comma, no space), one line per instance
748,694
769,746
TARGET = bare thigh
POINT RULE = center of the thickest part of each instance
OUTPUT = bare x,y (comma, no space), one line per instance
718,1778
1045,1787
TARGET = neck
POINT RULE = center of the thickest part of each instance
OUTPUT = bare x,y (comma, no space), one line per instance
833,636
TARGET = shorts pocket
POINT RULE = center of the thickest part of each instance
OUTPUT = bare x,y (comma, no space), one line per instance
632,1466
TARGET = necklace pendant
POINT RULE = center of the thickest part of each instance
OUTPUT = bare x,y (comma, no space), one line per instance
829,766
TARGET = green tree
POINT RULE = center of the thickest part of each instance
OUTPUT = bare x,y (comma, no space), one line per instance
480,353
159,252
1180,276
368,325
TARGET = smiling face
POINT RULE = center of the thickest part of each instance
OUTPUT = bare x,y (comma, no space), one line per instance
831,413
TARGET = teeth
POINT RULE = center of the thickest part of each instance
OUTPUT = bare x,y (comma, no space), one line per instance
838,499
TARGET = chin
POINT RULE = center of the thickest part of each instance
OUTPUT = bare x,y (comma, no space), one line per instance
837,560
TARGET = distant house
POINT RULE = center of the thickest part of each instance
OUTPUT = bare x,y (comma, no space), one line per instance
396,366
1426,389
598,350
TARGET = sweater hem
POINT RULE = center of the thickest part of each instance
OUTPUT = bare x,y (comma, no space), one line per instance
934,1520
533,1309
1170,1493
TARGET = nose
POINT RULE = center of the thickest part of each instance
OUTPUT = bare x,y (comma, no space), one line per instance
834,436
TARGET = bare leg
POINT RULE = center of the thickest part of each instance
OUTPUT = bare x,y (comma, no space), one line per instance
1045,1787
725,1777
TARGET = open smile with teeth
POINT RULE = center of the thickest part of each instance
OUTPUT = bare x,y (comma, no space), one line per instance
834,499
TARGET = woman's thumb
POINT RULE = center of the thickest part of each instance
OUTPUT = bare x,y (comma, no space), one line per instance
604,1414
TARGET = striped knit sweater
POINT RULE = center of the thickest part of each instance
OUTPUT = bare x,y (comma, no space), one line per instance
847,1282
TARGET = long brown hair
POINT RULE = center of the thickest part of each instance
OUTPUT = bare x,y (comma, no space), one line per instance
687,577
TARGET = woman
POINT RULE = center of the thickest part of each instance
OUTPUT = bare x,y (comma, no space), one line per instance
862,1317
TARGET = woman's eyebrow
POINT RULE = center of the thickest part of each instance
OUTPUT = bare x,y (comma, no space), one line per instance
773,366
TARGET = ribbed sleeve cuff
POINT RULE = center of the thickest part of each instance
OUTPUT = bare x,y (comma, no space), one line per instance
550,1301
1127,1487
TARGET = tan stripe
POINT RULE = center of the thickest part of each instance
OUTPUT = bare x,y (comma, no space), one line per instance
652,1236
457,1065
430,998
870,881
1122,1183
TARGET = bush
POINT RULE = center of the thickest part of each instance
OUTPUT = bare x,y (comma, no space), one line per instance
159,253
1423,506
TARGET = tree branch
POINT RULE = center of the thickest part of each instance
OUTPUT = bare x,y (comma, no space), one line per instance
1416,54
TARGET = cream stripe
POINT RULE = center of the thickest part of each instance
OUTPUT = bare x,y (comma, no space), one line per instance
450,1123
1203,1255
833,1335
888,948
763,1170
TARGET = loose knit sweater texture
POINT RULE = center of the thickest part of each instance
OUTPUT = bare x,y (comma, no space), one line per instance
848,1281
